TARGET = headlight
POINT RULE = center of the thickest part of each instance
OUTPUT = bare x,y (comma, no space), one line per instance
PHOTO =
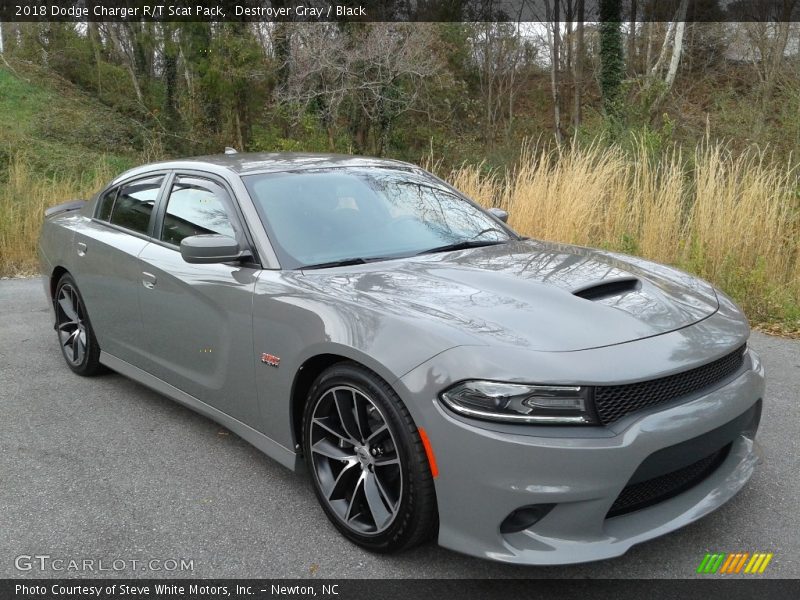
520,403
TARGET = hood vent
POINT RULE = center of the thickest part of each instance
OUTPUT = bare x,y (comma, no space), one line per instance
607,288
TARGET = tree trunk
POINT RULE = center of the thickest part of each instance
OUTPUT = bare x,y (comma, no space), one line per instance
775,58
632,40
677,50
612,65
239,138
170,75
128,62
555,80
94,40
577,66
663,54
331,142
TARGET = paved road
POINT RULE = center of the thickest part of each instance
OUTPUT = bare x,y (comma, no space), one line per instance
103,468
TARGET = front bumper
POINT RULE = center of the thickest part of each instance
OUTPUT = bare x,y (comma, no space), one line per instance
486,472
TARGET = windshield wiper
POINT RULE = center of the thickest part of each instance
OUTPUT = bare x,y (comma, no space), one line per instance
335,263
345,262
463,246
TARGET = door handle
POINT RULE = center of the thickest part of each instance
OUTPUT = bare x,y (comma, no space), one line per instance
148,280
81,249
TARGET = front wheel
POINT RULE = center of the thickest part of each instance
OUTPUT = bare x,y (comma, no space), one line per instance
369,468
75,334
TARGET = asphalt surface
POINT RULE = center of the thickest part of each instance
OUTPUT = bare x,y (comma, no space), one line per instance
103,468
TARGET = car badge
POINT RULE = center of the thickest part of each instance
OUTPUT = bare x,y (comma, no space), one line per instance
270,359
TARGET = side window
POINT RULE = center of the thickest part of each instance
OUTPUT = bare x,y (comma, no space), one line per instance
134,204
105,203
195,207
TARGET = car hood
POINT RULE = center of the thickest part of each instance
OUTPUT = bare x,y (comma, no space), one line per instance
537,295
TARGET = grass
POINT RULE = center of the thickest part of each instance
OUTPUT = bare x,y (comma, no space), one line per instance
24,196
56,144
57,129
731,219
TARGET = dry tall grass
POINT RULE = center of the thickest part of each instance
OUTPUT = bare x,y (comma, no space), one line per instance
734,220
24,196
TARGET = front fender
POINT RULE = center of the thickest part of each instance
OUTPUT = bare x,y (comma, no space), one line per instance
296,324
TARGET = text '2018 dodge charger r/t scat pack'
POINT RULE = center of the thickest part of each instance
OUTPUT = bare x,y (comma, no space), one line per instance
437,374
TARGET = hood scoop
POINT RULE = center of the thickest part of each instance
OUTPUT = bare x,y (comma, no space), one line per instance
607,288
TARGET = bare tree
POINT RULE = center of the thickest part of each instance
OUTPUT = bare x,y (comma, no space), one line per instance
769,40
577,66
371,73
632,38
124,48
672,38
499,53
554,40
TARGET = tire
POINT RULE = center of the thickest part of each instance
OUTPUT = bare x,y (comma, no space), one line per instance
74,331
373,482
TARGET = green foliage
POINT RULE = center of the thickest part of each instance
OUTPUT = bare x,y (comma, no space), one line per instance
612,65
59,129
306,136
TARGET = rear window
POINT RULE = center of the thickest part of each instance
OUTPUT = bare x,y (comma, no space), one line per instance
134,204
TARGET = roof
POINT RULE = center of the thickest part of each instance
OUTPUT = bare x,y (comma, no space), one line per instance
264,162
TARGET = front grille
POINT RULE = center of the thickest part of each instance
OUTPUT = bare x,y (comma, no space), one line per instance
646,493
616,401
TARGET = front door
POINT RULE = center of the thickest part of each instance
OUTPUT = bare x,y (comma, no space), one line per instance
198,318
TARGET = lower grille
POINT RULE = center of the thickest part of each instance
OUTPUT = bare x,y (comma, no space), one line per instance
651,491
616,401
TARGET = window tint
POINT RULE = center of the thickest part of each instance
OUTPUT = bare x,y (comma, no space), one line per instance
195,208
134,204
106,203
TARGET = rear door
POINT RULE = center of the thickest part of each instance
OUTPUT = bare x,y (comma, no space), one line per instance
197,319
108,268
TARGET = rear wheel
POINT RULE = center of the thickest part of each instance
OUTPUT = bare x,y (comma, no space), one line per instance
75,335
368,465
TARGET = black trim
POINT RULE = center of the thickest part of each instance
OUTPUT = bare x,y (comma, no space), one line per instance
675,469
231,202
646,493
614,402
117,187
606,289
681,455
158,210
65,207
137,234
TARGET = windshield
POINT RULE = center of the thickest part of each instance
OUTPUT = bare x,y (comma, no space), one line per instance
338,215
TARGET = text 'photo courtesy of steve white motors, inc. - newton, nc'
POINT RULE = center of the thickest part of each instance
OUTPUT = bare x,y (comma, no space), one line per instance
160,590
161,11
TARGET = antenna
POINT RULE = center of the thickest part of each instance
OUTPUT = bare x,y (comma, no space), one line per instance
229,150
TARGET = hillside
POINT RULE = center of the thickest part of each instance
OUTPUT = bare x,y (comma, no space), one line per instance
57,129
56,143
731,217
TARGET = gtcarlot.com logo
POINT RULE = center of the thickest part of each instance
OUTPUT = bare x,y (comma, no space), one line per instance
734,563
45,562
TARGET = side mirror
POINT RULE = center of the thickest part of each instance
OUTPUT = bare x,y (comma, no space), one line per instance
499,213
208,249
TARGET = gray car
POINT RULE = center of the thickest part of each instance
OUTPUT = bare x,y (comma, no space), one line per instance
437,374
